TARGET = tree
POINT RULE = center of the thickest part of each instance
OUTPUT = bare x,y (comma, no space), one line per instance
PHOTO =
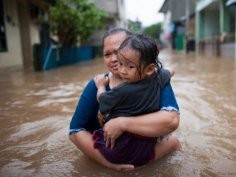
153,30
73,20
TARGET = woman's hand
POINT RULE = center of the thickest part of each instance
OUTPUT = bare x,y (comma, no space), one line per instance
113,129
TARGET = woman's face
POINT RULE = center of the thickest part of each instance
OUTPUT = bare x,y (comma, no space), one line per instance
110,46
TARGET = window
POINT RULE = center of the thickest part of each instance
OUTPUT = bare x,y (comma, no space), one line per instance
3,42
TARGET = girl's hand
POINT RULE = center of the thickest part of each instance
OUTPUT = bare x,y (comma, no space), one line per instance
101,81
112,130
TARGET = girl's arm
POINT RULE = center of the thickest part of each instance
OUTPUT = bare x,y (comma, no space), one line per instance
101,83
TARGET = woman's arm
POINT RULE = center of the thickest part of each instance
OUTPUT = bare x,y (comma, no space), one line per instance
152,125
85,116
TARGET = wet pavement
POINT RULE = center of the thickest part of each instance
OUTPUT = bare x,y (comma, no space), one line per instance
36,108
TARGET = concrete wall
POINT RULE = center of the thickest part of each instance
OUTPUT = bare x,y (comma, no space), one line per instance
13,55
109,6
116,10
16,55
117,18
211,23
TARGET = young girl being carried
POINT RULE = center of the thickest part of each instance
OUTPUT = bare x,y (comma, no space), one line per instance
143,78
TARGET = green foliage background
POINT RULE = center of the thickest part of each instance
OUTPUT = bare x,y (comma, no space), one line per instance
153,30
70,19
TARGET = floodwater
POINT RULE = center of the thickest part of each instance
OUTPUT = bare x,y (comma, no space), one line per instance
36,108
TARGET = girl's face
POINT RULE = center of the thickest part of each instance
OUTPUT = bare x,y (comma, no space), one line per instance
110,46
129,65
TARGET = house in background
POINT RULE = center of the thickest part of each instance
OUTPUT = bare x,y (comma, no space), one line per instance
24,23
207,25
179,22
20,29
215,28
116,18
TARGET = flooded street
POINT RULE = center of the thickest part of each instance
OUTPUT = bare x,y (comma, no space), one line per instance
36,108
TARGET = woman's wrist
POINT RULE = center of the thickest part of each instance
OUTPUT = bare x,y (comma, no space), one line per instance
150,125
125,122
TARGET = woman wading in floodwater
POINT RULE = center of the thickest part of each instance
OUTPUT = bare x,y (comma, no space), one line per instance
85,119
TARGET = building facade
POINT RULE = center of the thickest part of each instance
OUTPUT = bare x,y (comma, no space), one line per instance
179,22
24,23
215,28
116,18
208,25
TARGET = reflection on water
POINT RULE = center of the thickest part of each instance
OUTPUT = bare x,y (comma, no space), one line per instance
36,108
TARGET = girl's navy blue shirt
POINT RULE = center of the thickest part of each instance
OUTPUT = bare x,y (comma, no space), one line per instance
86,114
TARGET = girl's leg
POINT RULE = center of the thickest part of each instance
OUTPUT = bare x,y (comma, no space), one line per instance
168,145
84,141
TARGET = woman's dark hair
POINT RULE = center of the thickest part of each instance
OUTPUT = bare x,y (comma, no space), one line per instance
146,47
114,31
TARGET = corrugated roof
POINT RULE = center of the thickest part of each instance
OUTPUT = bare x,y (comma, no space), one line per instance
164,7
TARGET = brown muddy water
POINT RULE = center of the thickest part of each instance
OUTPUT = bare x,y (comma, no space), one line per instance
36,108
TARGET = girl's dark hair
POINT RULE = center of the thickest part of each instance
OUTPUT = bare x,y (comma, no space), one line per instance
114,31
146,47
